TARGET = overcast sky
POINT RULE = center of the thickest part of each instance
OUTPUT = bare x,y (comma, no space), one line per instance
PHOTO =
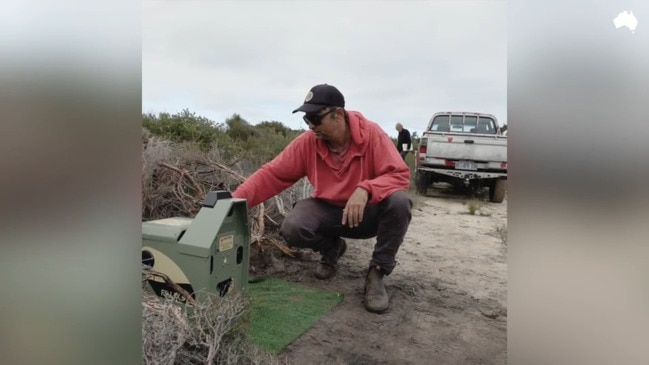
395,61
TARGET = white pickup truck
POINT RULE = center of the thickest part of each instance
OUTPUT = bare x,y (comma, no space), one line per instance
463,149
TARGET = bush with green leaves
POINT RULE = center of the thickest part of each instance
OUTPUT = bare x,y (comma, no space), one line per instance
184,127
235,138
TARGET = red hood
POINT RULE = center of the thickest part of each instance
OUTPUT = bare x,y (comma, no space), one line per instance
359,133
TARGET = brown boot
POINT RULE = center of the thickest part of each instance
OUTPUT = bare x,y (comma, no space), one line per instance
376,298
328,265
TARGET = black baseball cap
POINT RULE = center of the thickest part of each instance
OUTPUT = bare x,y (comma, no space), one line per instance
321,96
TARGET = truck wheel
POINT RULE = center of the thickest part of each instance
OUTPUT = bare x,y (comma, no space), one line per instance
497,191
422,181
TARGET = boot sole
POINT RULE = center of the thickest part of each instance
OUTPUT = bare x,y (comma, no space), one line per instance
377,311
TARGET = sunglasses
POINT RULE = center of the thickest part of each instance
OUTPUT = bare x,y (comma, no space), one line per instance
316,119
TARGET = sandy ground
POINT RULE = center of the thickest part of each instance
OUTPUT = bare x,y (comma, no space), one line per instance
448,293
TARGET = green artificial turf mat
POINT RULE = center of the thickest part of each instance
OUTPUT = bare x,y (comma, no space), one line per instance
282,311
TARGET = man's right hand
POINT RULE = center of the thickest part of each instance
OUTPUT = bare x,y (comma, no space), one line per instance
353,212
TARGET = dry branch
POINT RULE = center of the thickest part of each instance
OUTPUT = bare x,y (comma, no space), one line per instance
149,273
285,249
185,174
223,167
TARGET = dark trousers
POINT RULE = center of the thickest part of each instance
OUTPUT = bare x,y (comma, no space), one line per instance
403,154
316,224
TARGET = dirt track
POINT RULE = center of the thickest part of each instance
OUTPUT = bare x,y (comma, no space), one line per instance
448,294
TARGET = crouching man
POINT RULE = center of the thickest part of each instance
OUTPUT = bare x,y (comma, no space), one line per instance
360,189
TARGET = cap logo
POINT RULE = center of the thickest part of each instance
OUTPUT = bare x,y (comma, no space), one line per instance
309,96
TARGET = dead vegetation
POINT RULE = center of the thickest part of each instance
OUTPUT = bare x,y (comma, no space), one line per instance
175,180
211,333
177,176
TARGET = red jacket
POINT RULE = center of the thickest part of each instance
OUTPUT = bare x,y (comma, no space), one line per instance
372,163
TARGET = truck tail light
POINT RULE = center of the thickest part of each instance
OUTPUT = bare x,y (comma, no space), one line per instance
423,145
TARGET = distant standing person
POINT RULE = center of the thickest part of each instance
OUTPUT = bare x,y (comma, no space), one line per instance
403,139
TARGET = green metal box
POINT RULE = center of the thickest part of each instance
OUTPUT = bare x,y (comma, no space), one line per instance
210,252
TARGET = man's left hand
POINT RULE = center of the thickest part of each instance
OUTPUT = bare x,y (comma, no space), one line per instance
353,212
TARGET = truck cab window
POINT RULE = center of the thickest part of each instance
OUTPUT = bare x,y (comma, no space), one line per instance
486,126
470,124
441,124
457,123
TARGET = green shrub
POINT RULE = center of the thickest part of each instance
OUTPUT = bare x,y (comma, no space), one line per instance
185,127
